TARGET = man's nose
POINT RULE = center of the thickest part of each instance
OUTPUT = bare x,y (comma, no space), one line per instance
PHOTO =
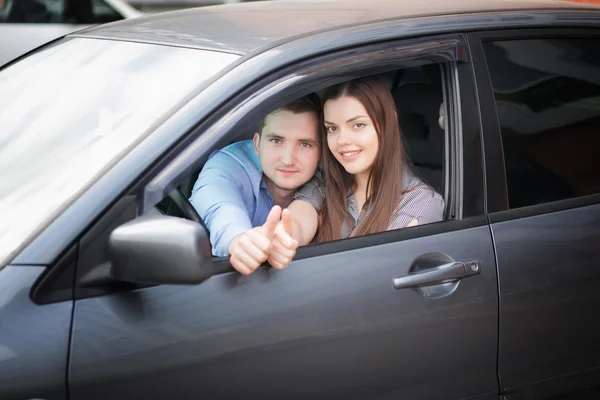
289,155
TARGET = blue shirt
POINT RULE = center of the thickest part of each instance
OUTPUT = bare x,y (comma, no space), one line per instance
231,194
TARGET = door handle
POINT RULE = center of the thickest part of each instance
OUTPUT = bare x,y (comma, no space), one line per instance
449,272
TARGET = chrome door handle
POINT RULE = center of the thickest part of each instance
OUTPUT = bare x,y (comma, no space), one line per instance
444,273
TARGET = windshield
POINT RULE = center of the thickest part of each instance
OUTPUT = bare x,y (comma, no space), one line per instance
72,109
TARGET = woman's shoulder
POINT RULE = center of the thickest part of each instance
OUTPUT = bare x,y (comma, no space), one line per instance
410,181
421,200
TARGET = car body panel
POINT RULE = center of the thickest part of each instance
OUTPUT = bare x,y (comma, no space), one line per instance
328,327
549,285
34,339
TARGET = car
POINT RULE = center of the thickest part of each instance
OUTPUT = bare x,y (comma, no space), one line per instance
108,288
27,24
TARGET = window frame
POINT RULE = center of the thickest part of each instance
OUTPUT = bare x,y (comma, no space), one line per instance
496,181
449,51
211,130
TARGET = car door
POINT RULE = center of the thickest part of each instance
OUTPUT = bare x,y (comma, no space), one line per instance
345,319
545,225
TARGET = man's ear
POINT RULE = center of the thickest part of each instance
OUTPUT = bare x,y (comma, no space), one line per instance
256,140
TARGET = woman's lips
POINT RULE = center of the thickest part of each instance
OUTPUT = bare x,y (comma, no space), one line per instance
350,155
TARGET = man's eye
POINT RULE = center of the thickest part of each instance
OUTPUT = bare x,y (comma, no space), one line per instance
276,141
306,145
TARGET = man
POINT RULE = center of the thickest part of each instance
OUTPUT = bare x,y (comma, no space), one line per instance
243,190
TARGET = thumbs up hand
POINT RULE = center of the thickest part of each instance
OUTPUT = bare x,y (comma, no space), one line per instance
250,249
283,245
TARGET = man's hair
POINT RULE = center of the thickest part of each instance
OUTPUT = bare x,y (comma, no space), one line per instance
308,103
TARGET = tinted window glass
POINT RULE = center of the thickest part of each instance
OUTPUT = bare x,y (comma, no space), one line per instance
548,100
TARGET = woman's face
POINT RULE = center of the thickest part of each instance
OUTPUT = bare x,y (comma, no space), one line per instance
351,135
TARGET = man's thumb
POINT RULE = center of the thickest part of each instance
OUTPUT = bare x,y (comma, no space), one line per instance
272,220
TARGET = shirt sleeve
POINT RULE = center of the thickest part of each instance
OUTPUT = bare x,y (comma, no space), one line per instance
421,203
219,197
313,191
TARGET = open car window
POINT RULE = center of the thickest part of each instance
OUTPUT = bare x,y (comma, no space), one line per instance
418,93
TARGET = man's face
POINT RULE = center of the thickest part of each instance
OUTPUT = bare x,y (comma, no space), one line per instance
288,148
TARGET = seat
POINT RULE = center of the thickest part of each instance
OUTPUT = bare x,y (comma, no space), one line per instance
418,97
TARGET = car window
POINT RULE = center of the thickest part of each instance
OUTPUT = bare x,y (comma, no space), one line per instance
71,110
547,95
58,11
418,96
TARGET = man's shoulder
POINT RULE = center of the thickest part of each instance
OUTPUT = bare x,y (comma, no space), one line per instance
241,153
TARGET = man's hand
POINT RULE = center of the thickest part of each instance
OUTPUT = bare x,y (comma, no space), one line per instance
283,245
250,249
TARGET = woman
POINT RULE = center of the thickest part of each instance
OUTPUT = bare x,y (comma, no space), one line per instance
368,186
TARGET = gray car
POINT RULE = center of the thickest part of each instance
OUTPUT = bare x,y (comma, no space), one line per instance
108,289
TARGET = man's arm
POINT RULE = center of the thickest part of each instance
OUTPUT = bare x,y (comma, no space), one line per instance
218,196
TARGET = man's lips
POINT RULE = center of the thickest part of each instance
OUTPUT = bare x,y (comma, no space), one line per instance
287,171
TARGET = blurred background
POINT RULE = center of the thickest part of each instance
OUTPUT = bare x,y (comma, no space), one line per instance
28,24
152,6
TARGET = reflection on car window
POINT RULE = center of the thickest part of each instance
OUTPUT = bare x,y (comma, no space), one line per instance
70,111
549,111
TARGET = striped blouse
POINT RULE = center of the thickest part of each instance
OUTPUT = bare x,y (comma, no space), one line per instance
421,202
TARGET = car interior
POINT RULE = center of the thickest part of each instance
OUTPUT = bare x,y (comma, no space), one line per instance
418,94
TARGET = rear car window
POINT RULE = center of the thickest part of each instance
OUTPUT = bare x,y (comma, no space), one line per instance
547,95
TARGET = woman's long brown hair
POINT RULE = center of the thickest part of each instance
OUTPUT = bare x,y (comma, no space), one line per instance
384,186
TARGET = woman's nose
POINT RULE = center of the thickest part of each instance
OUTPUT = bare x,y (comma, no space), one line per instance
343,137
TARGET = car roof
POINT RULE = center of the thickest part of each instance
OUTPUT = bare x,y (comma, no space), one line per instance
247,27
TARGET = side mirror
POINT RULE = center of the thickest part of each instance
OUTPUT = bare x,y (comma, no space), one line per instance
160,250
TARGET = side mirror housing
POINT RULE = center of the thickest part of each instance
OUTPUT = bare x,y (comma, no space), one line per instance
160,250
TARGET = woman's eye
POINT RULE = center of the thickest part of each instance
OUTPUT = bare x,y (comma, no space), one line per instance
330,128
359,125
